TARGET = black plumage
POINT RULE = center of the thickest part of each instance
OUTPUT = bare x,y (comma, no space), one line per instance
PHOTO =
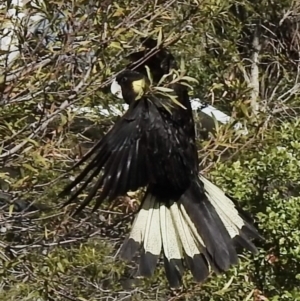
160,63
182,214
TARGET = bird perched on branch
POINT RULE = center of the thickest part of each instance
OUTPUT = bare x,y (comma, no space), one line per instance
182,214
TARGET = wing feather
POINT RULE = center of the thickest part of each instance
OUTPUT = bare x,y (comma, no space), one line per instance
115,160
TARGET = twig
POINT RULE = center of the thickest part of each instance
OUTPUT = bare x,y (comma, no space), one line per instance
33,66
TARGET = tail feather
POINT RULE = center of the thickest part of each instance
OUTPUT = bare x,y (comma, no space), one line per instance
243,241
201,229
136,236
195,260
172,248
216,239
184,232
152,241
209,239
224,207
231,215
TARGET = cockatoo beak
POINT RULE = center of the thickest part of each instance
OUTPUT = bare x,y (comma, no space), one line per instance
115,89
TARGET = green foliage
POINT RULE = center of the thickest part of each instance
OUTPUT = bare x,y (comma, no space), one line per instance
47,255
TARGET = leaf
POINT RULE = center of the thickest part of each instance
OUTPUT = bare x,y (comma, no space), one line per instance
163,78
4,175
182,66
249,295
116,45
41,160
190,79
159,37
163,89
186,84
244,109
21,181
167,108
226,286
29,167
60,267
174,99
131,193
119,12
11,209
119,31
35,143
149,75
137,32
82,299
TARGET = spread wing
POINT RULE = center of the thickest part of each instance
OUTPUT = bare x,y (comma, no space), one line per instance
119,160
146,146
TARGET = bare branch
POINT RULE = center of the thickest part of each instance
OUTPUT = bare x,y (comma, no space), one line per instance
254,80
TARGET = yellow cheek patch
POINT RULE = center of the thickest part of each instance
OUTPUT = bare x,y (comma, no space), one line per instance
139,87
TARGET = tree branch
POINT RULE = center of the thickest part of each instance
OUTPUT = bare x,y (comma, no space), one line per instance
254,79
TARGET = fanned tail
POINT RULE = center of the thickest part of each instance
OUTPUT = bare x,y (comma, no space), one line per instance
200,230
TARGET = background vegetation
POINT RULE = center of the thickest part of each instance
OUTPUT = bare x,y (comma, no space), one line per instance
245,55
